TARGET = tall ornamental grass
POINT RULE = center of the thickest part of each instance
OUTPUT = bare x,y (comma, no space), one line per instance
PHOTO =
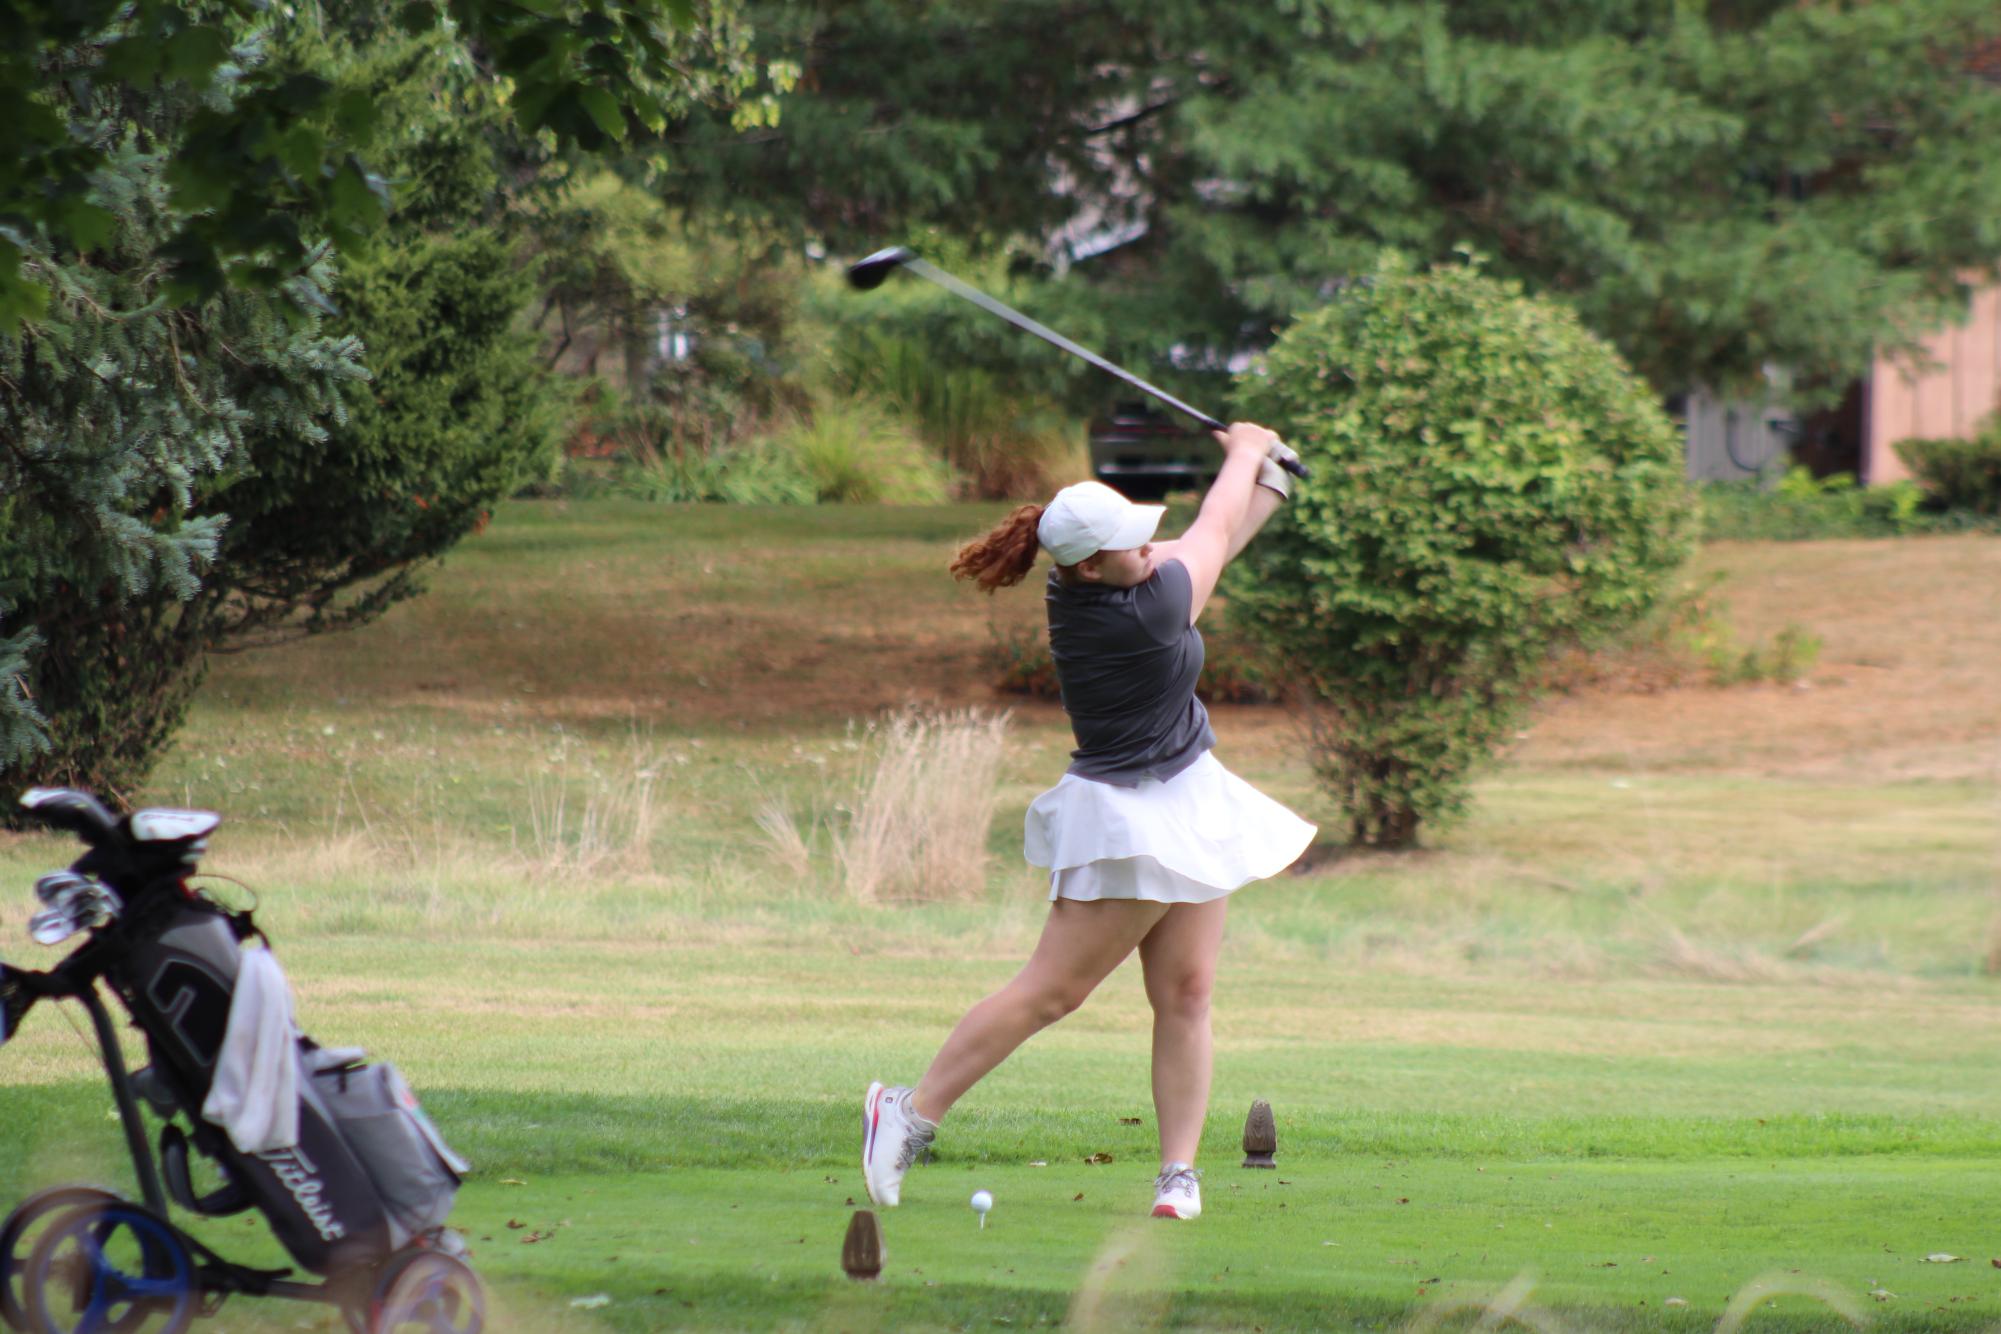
923,804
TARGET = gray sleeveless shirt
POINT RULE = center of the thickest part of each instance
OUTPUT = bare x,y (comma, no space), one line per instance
1127,659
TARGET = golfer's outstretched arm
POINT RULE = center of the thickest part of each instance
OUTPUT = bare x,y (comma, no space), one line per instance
1263,504
1214,536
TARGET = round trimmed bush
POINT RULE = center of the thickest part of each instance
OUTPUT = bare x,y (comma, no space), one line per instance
1491,484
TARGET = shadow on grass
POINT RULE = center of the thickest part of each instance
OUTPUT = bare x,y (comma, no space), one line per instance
913,1305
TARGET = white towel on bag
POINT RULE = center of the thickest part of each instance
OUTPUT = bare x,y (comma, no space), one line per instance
255,1094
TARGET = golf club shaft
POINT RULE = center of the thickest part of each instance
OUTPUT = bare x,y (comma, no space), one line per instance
1049,335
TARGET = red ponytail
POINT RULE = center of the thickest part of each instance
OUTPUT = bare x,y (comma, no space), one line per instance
1005,555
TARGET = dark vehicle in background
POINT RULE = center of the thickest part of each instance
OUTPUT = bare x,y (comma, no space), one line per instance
1144,453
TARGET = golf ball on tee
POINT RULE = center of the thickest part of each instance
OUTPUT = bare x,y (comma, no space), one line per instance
983,1200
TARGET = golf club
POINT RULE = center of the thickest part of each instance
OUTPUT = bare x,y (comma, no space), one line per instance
865,275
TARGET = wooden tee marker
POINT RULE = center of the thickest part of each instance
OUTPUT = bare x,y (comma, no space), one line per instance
861,1253
1260,1136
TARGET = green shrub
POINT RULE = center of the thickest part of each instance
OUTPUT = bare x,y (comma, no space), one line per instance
1800,507
1004,443
643,454
1959,474
1491,484
750,474
1789,657
854,451
994,404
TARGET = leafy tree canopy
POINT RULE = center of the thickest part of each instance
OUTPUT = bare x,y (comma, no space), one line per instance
275,156
1716,188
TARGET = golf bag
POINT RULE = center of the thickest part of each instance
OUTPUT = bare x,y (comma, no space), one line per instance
368,1172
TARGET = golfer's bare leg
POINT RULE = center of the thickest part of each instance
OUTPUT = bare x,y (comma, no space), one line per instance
1179,956
1081,943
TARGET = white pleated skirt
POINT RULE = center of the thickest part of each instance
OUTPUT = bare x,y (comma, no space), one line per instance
1196,837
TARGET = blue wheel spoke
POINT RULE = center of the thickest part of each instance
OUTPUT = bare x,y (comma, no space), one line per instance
115,1297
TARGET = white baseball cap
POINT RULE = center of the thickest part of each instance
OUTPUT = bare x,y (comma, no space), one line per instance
1091,517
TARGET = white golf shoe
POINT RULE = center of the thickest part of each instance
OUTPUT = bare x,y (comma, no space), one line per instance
892,1135
1177,1192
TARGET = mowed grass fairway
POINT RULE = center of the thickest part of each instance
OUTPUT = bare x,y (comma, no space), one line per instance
1699,999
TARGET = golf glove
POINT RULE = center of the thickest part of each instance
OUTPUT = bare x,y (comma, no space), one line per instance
1274,478
1283,452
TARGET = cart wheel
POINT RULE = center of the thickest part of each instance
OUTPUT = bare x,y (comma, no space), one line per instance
109,1267
19,1234
426,1292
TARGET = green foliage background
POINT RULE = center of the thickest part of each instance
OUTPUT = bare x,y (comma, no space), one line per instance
1715,189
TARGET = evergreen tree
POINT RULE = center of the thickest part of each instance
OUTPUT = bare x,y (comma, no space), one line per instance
182,476
118,413
459,411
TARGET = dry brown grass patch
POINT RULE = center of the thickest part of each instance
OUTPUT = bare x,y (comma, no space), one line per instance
923,806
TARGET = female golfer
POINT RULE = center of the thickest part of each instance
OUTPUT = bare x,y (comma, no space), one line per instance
1147,834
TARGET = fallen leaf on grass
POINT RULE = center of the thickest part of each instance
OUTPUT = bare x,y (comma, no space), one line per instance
534,1237
1881,1294
1044,1162
592,1302
1675,1301
516,1224
1099,1157
1078,1196
512,1181
1129,1121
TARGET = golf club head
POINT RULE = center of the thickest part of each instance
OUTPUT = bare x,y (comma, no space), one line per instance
52,926
865,275
59,884
89,905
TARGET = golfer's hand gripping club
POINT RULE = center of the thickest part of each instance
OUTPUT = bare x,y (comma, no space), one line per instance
1263,445
869,273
